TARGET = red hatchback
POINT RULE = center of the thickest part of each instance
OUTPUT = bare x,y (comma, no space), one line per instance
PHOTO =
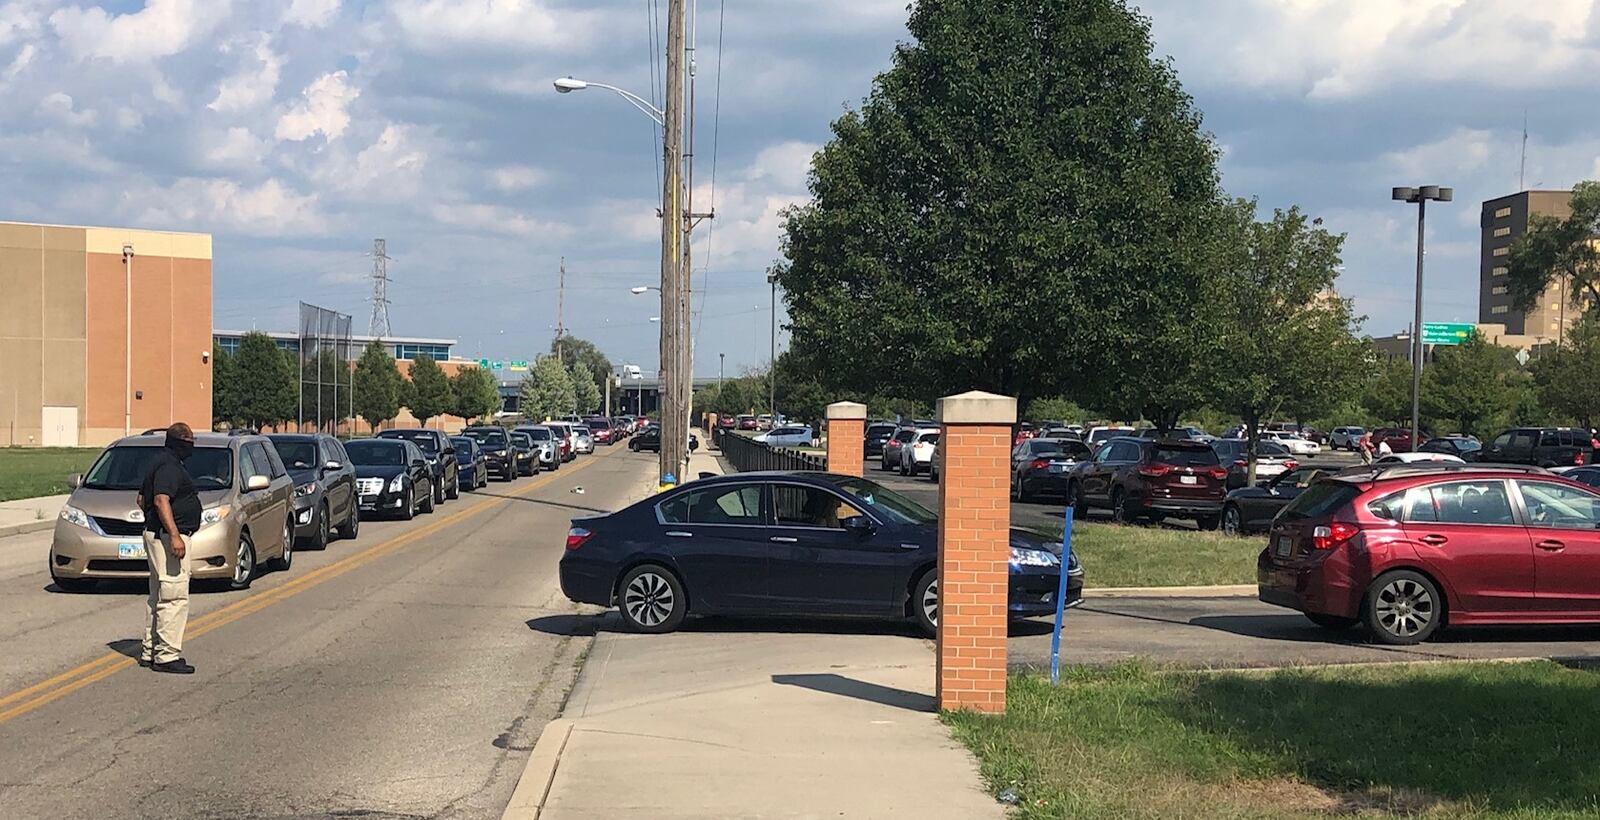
1408,550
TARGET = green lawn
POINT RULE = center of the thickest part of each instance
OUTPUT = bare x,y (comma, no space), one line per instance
29,472
1491,740
1133,556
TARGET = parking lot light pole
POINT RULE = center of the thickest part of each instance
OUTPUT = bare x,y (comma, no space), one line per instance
772,360
1421,196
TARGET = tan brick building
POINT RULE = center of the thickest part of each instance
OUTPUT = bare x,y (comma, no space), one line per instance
73,369
1501,222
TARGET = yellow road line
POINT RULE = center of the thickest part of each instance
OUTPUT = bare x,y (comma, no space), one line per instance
49,690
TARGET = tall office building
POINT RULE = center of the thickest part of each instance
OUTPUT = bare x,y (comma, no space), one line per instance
1502,221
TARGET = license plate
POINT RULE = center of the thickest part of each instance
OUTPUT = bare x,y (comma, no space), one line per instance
1058,468
1189,479
1283,546
131,551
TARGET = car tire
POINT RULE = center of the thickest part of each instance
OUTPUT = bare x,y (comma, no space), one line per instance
408,510
286,559
455,488
438,496
244,563
1402,608
1119,507
351,528
1208,523
651,600
1080,502
925,602
74,584
1232,521
1335,622
429,502
324,530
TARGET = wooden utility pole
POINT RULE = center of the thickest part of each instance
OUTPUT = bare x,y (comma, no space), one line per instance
673,379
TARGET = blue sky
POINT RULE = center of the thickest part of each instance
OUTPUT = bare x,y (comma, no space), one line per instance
296,131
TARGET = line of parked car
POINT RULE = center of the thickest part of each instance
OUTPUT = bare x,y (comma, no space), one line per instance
265,497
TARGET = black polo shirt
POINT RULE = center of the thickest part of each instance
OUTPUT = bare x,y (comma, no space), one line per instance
169,478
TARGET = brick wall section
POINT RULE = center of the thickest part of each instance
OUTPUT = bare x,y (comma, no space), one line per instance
847,430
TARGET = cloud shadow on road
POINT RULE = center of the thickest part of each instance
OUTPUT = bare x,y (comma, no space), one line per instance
860,690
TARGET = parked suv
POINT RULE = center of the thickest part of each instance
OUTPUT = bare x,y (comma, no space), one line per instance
544,441
440,454
892,449
1346,438
1408,550
1541,447
495,445
878,432
246,499
1150,480
324,487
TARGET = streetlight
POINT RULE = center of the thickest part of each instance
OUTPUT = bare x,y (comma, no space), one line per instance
567,85
1421,196
641,289
772,361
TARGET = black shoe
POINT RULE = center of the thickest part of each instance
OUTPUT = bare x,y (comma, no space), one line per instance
145,662
177,667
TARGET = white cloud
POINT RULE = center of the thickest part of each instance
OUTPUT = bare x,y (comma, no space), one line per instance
435,25
237,148
392,161
19,20
268,209
129,119
785,165
496,219
323,109
516,177
24,57
160,29
311,13
60,107
253,84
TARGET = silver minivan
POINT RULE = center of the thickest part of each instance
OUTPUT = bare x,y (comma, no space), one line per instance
247,513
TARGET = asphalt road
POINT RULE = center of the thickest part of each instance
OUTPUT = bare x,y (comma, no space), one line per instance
393,676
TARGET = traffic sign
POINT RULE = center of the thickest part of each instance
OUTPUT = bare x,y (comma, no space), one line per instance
499,365
519,364
483,363
1446,333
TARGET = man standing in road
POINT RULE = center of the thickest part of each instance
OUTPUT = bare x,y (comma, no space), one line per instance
171,514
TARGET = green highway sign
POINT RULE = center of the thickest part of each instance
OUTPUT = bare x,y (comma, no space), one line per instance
499,365
1446,333
519,364
483,363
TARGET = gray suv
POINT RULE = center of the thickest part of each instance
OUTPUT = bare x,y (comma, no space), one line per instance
324,487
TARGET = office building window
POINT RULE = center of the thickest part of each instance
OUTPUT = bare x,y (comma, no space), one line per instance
1499,309
1500,270
229,344
1498,289
1505,231
411,351
1502,251
1502,213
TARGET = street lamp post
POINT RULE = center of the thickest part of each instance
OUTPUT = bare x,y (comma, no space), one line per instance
1421,196
772,360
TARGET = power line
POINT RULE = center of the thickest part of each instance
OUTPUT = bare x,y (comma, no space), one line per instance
716,133
653,36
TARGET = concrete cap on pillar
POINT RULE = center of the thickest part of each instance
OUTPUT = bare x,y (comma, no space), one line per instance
977,407
846,410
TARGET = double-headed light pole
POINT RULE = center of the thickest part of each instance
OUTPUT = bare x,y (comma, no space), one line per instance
1421,196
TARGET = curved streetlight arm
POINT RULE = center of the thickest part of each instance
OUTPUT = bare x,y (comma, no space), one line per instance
634,99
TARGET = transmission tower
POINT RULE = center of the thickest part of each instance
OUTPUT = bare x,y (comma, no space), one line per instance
379,328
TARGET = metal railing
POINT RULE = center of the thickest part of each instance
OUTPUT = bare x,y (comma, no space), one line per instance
746,455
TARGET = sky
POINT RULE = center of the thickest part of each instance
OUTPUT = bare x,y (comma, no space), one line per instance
297,131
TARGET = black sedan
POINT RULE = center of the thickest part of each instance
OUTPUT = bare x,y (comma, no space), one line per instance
392,477
474,462
650,440
526,460
1041,466
1251,509
783,543
496,446
1465,448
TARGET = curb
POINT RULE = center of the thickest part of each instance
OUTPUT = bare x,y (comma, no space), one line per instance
23,529
1225,591
534,785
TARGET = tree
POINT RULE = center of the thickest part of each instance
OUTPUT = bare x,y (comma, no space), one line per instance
547,390
1568,378
585,392
324,373
224,387
1056,409
265,381
1554,250
430,390
476,393
1472,385
1387,389
583,353
1021,205
1285,336
377,385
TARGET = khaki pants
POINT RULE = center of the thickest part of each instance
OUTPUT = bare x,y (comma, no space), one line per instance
168,611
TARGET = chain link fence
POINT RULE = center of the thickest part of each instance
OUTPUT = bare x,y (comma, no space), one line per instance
326,380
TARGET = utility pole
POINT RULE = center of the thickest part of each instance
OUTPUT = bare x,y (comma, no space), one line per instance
379,327
721,360
772,362
561,310
674,411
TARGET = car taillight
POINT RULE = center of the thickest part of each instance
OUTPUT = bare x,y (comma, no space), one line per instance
1578,457
1290,464
577,536
1241,463
1218,472
1326,538
1155,470
1594,443
1039,464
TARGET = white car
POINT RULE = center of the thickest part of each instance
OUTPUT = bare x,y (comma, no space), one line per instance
583,440
917,454
1293,443
786,436
1100,435
1420,458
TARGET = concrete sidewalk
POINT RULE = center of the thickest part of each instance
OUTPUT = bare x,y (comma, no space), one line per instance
710,724
26,515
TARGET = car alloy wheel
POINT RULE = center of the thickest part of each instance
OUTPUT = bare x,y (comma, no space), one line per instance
1232,522
925,602
352,523
1402,608
286,558
409,508
652,600
1119,508
455,487
244,563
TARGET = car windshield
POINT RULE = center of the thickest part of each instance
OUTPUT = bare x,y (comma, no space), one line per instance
886,502
490,437
1320,499
463,446
424,440
125,468
582,431
521,440
297,455
1185,456
881,430
1056,447
539,434
598,424
376,453
1270,449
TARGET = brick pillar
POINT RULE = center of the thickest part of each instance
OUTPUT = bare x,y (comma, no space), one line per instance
847,437
974,550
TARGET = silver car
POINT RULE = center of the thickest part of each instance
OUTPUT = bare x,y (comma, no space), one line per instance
583,441
247,513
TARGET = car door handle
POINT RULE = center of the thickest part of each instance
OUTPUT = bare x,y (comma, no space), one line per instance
910,546
1435,540
1551,546
783,539
679,534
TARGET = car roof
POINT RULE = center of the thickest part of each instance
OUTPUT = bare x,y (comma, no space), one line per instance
295,436
200,440
1392,472
388,442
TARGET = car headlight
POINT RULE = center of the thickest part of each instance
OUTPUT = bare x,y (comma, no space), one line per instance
213,515
397,483
305,489
1033,558
73,515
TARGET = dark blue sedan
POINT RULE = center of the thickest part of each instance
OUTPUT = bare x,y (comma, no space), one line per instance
783,543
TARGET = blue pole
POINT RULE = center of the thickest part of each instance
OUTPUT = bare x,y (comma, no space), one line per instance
1061,599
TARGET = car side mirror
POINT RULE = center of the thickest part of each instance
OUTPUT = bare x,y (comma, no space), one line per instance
417,462
257,483
859,524
75,480
332,465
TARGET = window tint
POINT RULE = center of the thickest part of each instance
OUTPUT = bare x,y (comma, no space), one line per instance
904,435
302,455
1271,448
798,506
274,463
1549,438
1185,456
248,466
1464,502
718,505
1320,499
1553,505
1522,440
1501,440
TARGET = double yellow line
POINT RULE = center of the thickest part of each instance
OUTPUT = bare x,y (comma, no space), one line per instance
26,700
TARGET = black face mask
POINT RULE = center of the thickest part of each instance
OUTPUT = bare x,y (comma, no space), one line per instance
181,448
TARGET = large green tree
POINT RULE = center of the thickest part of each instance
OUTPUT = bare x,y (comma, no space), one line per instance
1473,386
1021,205
1568,377
265,381
325,384
546,390
224,387
476,393
377,385
585,392
430,390
584,354
1386,388
1558,249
